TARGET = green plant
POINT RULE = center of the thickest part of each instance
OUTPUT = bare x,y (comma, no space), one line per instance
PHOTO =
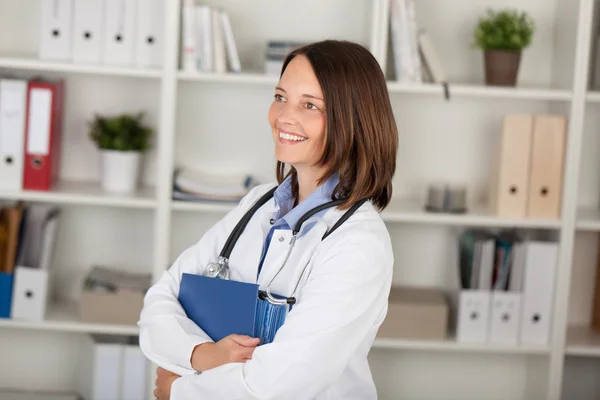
124,132
506,29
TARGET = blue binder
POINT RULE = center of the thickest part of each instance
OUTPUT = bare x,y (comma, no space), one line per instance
6,285
220,307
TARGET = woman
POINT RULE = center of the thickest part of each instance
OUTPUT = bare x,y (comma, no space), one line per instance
334,130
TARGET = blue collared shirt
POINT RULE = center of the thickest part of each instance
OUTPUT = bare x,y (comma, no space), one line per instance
287,215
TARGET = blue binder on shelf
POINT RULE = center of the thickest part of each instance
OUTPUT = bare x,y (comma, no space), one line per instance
220,307
6,284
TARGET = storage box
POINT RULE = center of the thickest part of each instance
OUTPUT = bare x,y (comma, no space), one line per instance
121,307
416,313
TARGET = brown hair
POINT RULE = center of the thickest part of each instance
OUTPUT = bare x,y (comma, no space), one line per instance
361,139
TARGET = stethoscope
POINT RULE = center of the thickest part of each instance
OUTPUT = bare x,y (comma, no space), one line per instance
220,268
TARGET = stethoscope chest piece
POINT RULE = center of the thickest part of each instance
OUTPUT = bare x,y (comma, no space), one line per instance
219,269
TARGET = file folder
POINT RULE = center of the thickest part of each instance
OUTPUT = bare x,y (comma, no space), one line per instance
149,33
546,171
13,97
56,20
119,32
219,307
538,294
6,284
88,35
510,185
43,127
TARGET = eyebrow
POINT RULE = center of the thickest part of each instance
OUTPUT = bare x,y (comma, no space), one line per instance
305,95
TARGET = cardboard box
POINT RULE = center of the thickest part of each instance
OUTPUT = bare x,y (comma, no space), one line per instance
416,313
121,308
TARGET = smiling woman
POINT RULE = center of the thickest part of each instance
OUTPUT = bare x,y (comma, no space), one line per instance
335,142
333,95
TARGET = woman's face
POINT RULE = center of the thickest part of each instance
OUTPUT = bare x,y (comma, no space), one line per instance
297,116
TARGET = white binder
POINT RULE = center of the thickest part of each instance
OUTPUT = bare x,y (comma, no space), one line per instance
507,305
31,279
30,294
505,317
135,373
473,316
119,32
56,18
150,33
88,26
100,367
540,274
13,100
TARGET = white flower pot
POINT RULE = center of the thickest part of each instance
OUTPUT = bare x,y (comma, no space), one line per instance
120,170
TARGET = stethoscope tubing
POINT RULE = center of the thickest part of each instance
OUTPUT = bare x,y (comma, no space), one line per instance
223,261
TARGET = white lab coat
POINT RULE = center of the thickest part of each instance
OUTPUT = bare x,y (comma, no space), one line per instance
321,350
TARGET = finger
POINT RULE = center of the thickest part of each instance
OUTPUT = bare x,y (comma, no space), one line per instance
242,354
156,393
244,340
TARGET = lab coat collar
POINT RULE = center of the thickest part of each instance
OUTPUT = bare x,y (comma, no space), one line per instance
284,200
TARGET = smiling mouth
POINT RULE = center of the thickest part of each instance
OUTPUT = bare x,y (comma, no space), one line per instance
291,137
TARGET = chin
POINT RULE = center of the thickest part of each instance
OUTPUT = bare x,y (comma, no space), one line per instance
286,157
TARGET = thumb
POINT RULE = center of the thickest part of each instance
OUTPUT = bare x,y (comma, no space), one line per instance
244,340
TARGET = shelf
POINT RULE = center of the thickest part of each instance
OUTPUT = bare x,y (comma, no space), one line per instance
588,219
413,212
202,206
85,193
451,345
482,91
396,87
63,318
582,341
593,97
242,77
409,212
33,64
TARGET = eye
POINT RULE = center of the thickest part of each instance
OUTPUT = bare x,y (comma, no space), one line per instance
278,97
311,106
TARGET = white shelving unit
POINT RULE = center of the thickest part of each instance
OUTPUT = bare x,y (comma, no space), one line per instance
218,122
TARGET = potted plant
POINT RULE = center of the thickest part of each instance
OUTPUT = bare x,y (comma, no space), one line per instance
502,35
121,140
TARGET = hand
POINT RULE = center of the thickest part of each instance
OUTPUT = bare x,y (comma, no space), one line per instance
164,380
233,348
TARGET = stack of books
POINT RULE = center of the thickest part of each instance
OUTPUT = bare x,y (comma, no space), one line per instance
276,53
194,185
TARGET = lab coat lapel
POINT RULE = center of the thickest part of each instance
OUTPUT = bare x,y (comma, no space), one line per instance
298,259
246,254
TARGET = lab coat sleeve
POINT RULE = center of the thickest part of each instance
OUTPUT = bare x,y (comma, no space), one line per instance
344,297
167,335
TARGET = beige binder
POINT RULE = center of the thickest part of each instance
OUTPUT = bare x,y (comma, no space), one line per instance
508,194
546,174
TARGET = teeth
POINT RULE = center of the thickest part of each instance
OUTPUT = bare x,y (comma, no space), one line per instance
287,136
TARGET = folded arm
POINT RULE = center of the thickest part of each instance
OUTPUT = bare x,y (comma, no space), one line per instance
167,336
345,295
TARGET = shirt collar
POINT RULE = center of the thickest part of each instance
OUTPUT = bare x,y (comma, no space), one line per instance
285,202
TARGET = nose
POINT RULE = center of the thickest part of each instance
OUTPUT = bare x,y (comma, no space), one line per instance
286,114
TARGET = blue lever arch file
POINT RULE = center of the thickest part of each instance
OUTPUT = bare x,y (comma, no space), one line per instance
220,307
6,285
